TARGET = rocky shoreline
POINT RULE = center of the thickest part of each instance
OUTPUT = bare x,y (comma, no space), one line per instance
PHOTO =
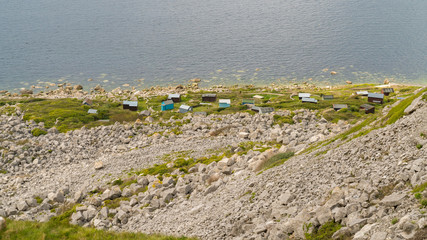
364,184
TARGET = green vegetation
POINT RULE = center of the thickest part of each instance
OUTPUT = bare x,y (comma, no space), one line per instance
115,203
394,221
398,111
59,228
3,171
417,190
37,132
38,199
419,146
124,183
68,114
277,160
283,119
324,232
420,188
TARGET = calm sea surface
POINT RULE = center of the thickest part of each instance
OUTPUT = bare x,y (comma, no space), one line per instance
165,42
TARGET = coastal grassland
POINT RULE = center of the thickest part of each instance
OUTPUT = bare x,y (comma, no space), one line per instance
67,114
59,228
373,121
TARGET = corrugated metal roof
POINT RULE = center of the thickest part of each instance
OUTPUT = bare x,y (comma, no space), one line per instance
328,96
255,108
304,95
340,106
174,95
167,102
94,111
366,106
312,100
258,96
362,93
388,90
133,103
186,107
126,102
375,95
209,95
228,101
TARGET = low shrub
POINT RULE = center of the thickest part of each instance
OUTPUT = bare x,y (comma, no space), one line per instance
37,132
323,232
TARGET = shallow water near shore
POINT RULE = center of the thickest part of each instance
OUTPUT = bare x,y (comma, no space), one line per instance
145,43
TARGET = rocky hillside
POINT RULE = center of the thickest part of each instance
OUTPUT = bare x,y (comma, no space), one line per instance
369,187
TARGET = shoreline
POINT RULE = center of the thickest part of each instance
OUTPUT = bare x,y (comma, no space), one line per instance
78,91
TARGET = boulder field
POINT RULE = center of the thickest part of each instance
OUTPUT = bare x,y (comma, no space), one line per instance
372,185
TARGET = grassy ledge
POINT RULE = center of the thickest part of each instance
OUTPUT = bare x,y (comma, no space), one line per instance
59,228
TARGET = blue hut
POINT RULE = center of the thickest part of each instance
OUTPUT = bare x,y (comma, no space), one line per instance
167,105
224,103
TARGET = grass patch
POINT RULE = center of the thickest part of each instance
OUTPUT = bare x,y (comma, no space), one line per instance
57,228
398,111
323,232
37,132
420,188
419,146
38,199
3,171
68,114
115,203
277,160
394,221
283,119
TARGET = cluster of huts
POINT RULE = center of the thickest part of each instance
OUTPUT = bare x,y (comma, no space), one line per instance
225,103
209,98
372,97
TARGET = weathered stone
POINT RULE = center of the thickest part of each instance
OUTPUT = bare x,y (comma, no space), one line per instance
362,233
98,165
379,236
56,197
323,215
393,200
22,206
211,189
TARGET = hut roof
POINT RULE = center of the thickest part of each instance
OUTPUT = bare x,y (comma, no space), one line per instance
168,102
376,95
362,93
312,100
209,95
186,107
387,90
366,106
227,101
133,103
258,96
340,106
174,95
304,95
94,111
328,96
